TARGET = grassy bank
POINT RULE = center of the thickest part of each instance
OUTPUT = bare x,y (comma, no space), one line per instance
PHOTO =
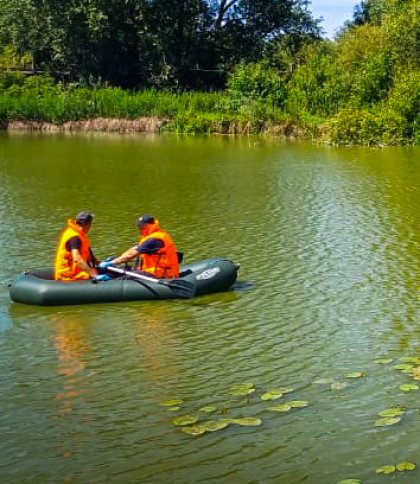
39,104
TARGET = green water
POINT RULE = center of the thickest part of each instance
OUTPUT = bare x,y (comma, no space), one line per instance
328,242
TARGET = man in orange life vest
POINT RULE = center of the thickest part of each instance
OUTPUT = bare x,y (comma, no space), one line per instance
156,250
74,259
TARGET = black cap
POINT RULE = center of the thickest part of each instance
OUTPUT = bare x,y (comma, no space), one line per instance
84,218
145,219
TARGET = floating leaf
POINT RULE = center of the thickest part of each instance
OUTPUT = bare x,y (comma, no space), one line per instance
283,390
298,403
194,430
410,359
247,421
324,381
384,361
350,481
385,469
242,389
271,395
355,374
405,466
386,422
184,420
403,367
208,409
282,407
415,374
214,425
392,412
409,387
171,403
338,386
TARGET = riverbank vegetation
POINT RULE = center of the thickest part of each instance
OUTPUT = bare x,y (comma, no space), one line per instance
202,67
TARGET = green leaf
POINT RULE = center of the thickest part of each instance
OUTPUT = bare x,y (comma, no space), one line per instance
214,425
282,407
298,403
392,412
193,430
208,409
386,422
403,367
405,466
171,403
242,389
173,409
355,374
409,387
184,420
384,360
271,395
350,481
247,421
389,469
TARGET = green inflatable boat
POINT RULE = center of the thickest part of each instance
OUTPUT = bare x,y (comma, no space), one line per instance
196,279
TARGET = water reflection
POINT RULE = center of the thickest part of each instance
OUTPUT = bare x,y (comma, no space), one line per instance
71,343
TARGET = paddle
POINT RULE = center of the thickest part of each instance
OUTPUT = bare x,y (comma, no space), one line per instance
184,289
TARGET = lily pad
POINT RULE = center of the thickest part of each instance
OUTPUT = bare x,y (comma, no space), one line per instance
214,425
208,409
355,374
282,407
409,387
184,420
247,421
405,466
386,422
384,360
171,403
389,469
350,481
242,389
410,359
271,395
298,403
392,412
193,430
338,386
404,367
283,390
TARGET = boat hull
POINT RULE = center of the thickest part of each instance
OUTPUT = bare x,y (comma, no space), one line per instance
37,287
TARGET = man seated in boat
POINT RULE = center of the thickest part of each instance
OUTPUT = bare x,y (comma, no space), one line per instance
74,259
156,251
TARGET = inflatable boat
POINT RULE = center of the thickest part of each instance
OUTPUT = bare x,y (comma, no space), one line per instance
204,277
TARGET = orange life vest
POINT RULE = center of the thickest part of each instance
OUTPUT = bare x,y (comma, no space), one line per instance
164,262
65,268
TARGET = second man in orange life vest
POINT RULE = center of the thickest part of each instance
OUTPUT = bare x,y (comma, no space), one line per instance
74,259
156,250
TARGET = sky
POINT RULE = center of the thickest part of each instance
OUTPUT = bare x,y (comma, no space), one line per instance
334,13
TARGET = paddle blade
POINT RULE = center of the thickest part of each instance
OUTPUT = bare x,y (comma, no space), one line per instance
183,289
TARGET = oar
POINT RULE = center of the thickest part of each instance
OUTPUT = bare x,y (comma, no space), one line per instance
184,289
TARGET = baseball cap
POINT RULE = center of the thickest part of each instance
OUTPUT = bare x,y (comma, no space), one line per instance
83,218
145,219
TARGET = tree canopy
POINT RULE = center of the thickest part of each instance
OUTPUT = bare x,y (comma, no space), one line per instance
139,43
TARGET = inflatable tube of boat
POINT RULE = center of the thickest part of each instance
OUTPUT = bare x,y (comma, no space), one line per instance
38,287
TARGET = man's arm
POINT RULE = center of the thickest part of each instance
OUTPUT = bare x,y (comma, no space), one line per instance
82,264
126,256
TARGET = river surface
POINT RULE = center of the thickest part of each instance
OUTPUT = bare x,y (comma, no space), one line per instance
329,247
